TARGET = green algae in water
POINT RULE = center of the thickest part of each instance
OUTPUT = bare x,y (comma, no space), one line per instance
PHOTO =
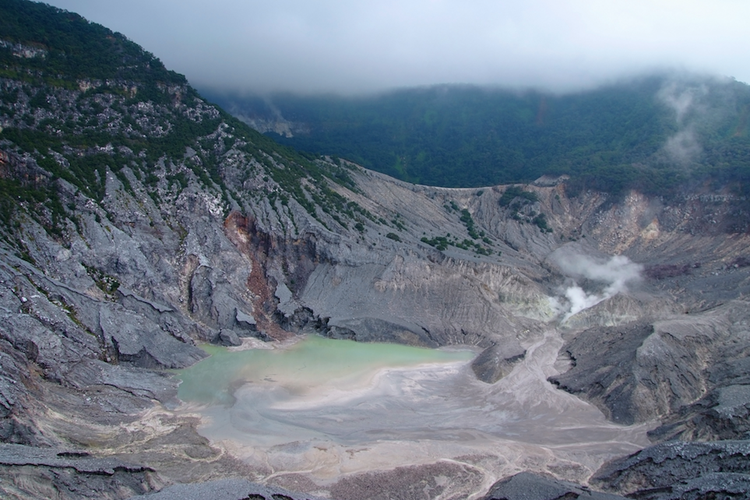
309,364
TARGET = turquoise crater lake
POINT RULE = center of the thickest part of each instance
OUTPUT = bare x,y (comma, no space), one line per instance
311,364
323,409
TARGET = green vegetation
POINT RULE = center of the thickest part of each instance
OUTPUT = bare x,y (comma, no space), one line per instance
106,283
439,242
541,222
443,242
469,223
40,197
519,201
512,193
82,101
610,139
71,48
398,222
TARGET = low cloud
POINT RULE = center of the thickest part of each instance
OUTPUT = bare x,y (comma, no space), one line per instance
358,46
609,276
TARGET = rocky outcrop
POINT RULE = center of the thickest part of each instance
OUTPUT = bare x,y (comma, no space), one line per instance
31,472
605,370
497,361
640,371
527,486
426,481
724,413
225,489
140,342
681,470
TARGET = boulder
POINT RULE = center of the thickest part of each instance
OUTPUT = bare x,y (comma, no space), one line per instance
662,471
528,486
497,361
228,338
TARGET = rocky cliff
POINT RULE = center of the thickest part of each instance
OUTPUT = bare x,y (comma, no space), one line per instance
140,220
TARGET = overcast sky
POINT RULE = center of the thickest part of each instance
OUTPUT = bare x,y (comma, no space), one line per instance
361,46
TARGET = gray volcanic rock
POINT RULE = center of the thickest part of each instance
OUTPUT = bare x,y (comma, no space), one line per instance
30,472
436,480
621,309
599,357
639,371
724,485
139,341
497,361
408,298
143,383
528,486
724,413
225,489
227,337
81,461
380,330
680,470
15,399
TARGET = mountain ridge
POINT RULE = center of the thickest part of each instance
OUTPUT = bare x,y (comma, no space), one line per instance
138,224
654,133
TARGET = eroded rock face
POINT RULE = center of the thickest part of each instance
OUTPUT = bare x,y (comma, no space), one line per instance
681,470
54,472
687,367
223,279
723,413
225,489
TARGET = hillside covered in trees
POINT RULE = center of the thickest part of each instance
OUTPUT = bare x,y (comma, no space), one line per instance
82,101
654,133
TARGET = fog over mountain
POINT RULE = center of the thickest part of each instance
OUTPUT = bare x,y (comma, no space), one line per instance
354,47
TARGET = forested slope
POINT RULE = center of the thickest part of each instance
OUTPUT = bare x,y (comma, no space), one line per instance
654,133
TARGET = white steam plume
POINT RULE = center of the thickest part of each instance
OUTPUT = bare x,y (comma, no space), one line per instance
680,99
615,273
684,101
683,146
